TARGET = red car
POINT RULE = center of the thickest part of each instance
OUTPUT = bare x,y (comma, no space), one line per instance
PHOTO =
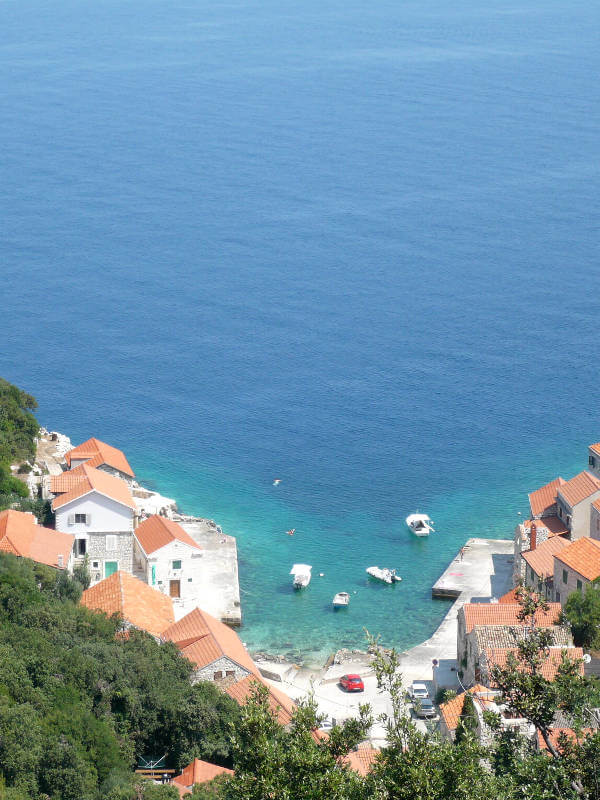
352,683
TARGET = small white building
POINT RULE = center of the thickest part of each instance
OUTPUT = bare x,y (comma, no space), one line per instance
167,558
100,512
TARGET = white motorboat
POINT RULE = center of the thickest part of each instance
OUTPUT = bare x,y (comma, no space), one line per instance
383,574
302,575
420,524
341,600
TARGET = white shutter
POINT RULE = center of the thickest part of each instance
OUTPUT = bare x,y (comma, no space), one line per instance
111,542
71,519
88,519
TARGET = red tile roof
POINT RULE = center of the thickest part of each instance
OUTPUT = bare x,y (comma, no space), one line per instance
200,772
156,531
452,711
541,560
553,525
133,600
582,556
595,448
203,639
579,488
549,668
98,481
509,597
361,760
279,703
556,735
101,453
544,498
505,614
65,482
22,536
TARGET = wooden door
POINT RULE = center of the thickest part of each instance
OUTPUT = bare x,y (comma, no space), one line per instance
175,588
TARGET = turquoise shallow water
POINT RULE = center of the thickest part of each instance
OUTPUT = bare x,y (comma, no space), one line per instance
352,247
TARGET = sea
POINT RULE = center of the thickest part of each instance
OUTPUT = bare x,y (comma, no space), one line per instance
352,246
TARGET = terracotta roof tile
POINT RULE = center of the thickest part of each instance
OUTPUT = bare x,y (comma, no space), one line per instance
579,488
133,600
554,526
507,636
22,536
279,702
505,614
542,500
361,760
101,453
200,772
156,531
549,668
452,711
595,448
63,483
582,556
202,639
98,481
541,560
556,734
509,597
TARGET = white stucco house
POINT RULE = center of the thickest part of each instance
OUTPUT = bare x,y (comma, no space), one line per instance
100,512
167,558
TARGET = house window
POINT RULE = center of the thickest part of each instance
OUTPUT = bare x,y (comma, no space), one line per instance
189,580
218,674
579,586
539,587
176,564
81,547
592,461
230,673
111,542
95,565
565,576
558,597
80,519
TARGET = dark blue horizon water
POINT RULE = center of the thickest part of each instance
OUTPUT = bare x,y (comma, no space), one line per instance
352,246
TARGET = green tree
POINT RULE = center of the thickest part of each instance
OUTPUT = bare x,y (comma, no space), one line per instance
582,612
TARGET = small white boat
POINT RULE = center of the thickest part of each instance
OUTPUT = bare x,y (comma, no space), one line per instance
383,574
302,575
420,524
341,600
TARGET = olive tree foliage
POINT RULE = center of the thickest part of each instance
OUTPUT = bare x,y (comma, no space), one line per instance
529,695
292,763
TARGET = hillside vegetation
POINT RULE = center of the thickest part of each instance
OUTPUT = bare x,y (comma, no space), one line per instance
79,705
18,429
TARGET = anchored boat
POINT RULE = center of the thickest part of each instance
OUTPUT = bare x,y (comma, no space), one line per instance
302,574
341,600
420,524
383,574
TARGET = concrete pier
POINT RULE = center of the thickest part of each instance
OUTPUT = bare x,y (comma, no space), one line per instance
218,591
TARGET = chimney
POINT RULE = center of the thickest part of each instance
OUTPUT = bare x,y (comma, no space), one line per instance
533,536
61,561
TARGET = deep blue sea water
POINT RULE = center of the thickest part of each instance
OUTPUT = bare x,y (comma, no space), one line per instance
351,245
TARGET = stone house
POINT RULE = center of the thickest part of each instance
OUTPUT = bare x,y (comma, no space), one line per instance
138,605
537,564
498,656
101,513
100,455
21,535
166,557
575,567
594,459
218,655
595,520
544,513
574,500
471,704
471,615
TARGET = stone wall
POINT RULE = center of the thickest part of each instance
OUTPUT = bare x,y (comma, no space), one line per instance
223,665
97,551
